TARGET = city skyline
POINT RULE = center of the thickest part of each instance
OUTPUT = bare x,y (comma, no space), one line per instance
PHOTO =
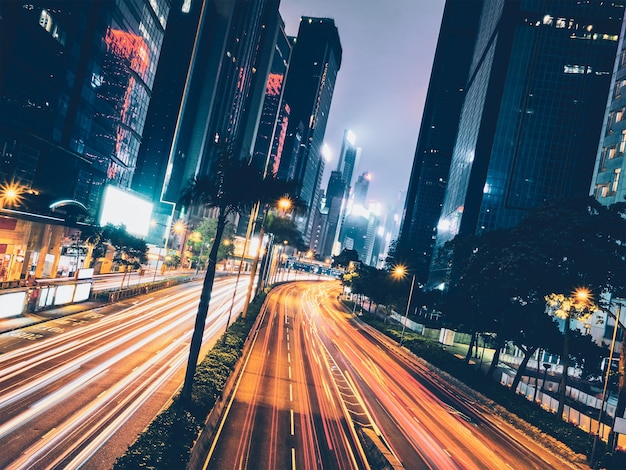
379,40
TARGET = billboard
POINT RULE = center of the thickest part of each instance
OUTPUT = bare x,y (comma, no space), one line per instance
120,207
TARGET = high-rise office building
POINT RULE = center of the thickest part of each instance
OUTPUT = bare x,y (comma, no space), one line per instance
609,180
315,62
348,157
272,126
437,134
164,110
76,83
223,93
334,204
337,193
532,114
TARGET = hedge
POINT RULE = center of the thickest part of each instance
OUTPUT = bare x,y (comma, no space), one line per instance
167,441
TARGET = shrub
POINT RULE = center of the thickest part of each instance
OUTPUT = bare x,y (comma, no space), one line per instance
167,442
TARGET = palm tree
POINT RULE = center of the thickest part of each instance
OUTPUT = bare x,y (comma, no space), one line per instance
234,186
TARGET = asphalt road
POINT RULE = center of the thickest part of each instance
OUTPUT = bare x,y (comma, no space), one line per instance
316,373
76,391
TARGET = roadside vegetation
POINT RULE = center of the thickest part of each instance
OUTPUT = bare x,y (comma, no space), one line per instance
167,442
533,286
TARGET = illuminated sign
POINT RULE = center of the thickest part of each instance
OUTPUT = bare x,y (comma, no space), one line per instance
120,207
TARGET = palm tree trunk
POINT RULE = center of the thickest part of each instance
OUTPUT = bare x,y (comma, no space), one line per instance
203,308
563,384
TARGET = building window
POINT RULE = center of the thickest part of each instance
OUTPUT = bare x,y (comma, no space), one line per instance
615,184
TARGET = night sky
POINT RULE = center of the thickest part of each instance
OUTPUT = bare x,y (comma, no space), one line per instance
388,50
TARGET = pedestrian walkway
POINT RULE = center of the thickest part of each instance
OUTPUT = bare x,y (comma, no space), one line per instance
9,324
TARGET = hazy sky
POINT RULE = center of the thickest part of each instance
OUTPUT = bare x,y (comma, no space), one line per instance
388,49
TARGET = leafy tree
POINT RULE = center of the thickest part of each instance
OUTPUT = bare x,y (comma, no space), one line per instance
233,186
343,259
284,229
205,236
565,239
130,251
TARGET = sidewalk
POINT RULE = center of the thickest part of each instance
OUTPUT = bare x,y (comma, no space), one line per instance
14,323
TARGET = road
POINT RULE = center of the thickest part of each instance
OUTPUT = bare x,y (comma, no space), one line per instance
287,411
315,373
77,390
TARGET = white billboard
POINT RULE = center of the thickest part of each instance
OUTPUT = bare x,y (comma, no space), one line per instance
120,207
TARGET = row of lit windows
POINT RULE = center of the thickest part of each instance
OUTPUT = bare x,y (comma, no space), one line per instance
47,22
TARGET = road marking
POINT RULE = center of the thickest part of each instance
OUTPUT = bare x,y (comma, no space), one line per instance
290,392
289,372
288,357
292,426
293,458
287,346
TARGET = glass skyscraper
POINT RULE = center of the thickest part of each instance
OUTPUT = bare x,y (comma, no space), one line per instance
532,115
313,69
76,84
440,121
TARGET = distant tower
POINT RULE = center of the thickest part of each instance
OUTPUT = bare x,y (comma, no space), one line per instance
348,158
315,62
532,115
361,187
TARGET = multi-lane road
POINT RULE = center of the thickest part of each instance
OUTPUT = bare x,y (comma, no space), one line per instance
77,390
315,376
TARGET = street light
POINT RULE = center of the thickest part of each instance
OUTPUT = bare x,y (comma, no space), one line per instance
578,305
400,272
11,194
604,390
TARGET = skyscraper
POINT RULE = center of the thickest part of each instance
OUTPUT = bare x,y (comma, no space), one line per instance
349,156
532,114
272,126
437,134
315,62
221,102
76,82
337,193
609,181
164,110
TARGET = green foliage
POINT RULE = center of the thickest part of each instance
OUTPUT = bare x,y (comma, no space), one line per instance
168,440
284,229
129,250
199,244
343,259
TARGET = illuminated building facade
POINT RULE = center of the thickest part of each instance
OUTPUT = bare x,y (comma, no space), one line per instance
532,115
337,192
313,69
165,105
76,84
609,178
437,135
272,127
220,107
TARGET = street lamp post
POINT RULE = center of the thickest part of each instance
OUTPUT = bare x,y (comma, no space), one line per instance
400,271
604,389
